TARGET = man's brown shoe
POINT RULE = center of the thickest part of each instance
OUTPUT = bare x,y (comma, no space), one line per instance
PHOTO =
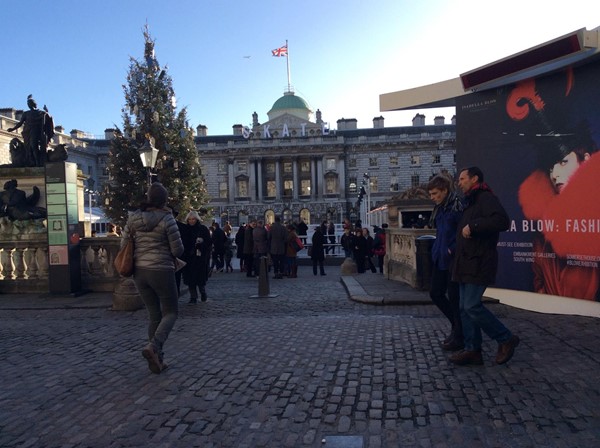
452,346
506,350
465,357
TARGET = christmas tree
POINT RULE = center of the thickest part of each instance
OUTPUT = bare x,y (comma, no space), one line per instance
150,116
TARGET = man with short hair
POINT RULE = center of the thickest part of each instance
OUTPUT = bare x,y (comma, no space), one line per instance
444,292
475,268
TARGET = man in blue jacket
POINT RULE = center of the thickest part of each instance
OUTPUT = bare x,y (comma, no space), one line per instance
444,292
475,268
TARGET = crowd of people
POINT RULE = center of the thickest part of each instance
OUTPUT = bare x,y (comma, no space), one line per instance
464,259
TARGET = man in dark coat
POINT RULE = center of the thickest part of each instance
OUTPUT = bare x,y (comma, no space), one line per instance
318,254
444,292
249,248
277,246
219,238
475,268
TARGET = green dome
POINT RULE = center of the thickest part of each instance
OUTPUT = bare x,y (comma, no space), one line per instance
289,101
290,104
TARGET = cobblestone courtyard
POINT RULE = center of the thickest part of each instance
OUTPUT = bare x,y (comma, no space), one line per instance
307,368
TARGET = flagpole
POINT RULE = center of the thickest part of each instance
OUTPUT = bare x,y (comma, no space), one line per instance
288,66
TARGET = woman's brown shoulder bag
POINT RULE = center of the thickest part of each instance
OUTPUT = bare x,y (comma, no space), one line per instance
124,259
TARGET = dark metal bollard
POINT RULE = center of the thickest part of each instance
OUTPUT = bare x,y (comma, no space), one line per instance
263,280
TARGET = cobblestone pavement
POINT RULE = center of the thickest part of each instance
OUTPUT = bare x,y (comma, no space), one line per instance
306,368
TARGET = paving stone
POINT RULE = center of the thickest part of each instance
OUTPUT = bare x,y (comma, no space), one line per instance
289,371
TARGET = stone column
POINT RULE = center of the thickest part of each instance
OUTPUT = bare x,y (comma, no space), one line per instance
278,186
260,180
313,178
230,182
295,187
252,179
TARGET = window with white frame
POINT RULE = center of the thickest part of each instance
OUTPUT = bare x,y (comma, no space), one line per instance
415,160
223,190
394,183
331,185
373,184
242,188
305,187
330,164
271,188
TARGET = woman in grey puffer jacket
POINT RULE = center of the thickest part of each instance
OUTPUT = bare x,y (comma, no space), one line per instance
157,243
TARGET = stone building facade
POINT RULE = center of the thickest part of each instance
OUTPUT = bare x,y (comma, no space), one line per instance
289,166
297,168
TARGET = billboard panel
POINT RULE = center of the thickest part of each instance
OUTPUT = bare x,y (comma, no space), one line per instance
537,144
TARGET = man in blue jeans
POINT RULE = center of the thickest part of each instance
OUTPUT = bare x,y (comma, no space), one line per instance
475,268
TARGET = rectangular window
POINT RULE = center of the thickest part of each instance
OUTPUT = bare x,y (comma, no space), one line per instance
242,167
374,184
414,180
305,166
330,164
415,160
352,163
287,167
223,190
394,183
394,160
271,188
305,187
288,188
437,159
331,185
270,168
222,168
242,188
372,161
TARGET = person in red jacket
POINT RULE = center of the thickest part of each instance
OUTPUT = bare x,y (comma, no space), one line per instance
566,253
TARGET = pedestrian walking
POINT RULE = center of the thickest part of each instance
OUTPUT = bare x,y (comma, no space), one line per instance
444,292
368,250
198,244
475,268
249,248
379,245
291,252
360,250
157,244
318,254
239,243
277,247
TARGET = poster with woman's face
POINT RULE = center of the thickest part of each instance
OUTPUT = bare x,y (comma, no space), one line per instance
537,144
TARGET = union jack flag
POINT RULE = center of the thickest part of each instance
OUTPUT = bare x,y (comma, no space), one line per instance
281,51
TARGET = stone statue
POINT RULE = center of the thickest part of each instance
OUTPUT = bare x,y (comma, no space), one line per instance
16,205
38,129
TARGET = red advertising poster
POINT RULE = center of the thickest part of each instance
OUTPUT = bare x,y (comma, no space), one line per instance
537,144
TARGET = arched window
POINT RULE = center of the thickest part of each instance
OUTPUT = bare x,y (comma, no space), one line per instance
305,216
269,217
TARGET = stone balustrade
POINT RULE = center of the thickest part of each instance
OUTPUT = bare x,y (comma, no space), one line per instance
25,264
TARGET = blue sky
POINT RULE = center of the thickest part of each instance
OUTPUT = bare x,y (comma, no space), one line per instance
73,55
